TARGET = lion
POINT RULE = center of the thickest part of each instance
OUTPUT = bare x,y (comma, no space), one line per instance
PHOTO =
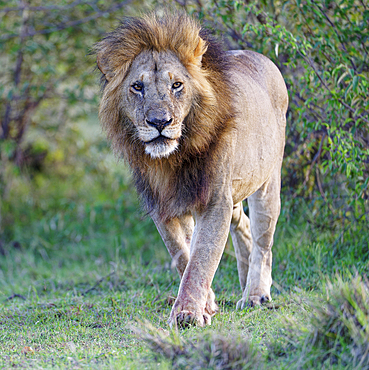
202,129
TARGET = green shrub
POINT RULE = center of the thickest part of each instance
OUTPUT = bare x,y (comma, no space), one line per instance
322,51
337,334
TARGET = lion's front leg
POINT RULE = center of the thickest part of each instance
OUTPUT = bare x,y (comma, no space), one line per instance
264,208
177,236
207,245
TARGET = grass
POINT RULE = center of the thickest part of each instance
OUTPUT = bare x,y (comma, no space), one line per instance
75,312
74,304
85,282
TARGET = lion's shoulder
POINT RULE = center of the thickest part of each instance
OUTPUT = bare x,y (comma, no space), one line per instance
247,66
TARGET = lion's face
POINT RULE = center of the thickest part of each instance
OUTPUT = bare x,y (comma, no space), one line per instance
157,96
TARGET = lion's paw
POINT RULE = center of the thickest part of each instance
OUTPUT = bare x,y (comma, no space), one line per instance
252,301
186,319
186,312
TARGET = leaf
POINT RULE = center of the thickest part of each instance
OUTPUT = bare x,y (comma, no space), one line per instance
342,77
355,82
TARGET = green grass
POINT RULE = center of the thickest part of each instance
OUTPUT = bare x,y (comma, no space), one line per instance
74,309
82,272
73,304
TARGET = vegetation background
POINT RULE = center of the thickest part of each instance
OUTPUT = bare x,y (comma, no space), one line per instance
79,263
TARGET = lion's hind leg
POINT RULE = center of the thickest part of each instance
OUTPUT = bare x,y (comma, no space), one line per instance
264,207
242,242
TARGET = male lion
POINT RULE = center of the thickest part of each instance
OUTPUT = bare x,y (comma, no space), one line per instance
202,129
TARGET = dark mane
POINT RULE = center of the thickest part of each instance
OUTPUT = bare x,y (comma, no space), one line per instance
169,186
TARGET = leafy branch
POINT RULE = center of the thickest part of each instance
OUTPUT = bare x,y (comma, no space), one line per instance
99,13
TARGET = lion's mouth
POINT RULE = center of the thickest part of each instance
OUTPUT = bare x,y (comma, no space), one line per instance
161,146
159,140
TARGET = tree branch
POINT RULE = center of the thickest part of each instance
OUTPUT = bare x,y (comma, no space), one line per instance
44,8
336,32
17,75
316,157
311,64
75,23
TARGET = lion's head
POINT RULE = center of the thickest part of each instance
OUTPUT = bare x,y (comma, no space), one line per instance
157,97
166,102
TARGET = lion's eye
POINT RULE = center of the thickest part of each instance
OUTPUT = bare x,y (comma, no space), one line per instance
137,86
177,85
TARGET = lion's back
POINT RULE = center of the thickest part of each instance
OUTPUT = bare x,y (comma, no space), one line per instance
251,66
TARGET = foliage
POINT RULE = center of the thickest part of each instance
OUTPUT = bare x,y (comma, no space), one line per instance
82,194
47,83
322,49
44,49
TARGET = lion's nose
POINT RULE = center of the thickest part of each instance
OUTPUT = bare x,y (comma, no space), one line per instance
158,123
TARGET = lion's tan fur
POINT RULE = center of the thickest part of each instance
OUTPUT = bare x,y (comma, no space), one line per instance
198,152
210,116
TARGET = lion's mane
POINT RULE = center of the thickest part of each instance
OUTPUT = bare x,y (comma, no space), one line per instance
174,185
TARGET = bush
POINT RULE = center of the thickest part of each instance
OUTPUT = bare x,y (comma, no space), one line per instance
337,333
322,51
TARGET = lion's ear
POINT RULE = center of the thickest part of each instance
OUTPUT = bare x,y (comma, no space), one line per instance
200,51
103,65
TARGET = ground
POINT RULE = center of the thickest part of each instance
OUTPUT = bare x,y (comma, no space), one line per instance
73,303
83,275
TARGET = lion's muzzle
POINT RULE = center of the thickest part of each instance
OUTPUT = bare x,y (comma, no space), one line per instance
160,134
